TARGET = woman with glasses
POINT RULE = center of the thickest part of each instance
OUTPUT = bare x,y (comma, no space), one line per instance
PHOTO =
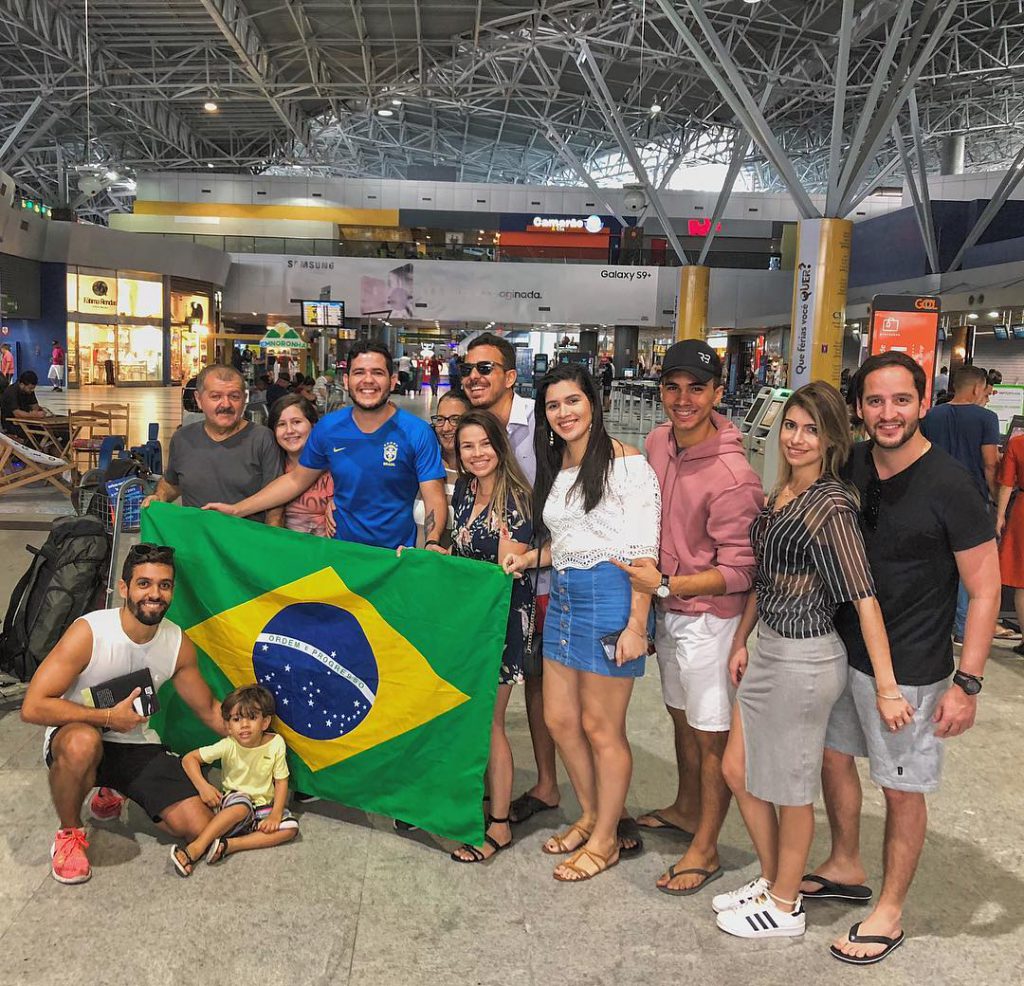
810,559
594,500
291,420
445,419
492,521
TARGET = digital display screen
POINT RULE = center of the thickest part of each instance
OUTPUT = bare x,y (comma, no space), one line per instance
771,414
755,411
1001,332
323,314
907,324
1018,331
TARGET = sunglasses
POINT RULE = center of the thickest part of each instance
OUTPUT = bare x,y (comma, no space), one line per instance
872,503
484,367
451,420
151,552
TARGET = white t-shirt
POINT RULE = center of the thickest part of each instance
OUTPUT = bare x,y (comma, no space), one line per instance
626,523
115,654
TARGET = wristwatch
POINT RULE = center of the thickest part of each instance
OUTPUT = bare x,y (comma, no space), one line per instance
663,591
970,683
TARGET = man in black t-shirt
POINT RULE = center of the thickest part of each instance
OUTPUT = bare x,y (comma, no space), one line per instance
925,527
19,401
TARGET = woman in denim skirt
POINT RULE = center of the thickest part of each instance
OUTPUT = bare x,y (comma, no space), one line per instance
594,499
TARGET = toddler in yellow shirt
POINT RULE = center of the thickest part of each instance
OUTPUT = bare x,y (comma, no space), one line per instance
251,812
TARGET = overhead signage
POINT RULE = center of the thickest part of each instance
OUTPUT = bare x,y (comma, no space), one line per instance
97,295
907,324
557,224
701,227
282,336
323,314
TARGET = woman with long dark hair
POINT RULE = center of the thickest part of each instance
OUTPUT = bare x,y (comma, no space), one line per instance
810,559
594,500
492,511
291,420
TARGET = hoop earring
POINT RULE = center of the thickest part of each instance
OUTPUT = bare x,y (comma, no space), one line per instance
551,438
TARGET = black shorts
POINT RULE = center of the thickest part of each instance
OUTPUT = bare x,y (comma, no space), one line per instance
147,773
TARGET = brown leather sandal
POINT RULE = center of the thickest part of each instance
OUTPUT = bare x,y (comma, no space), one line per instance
603,863
559,841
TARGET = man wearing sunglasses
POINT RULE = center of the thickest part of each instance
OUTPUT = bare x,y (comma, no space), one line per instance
114,747
926,528
489,382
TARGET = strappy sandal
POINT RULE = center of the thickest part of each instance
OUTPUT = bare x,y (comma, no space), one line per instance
478,855
603,863
559,841
217,851
182,869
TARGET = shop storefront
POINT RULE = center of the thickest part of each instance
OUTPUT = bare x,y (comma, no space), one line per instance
127,328
192,321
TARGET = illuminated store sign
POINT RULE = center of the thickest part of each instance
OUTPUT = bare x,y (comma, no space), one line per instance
97,294
553,224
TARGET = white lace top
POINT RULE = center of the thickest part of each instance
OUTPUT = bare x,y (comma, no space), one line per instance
626,524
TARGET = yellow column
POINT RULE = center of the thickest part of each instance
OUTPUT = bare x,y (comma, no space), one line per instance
819,300
692,306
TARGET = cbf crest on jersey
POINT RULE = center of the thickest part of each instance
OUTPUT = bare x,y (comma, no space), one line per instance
390,453
383,669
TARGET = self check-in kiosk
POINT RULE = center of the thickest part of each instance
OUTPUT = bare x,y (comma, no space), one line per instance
752,416
763,439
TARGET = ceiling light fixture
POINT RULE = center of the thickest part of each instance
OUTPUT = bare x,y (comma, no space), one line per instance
396,102
655,109
111,176
993,314
972,315
384,111
210,106
209,164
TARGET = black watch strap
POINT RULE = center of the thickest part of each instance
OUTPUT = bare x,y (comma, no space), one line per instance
970,683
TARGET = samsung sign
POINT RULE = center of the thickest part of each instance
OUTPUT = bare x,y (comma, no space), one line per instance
592,224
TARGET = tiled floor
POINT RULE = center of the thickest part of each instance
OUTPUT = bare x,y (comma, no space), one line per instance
353,902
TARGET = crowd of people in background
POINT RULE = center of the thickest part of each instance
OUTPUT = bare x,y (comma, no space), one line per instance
850,571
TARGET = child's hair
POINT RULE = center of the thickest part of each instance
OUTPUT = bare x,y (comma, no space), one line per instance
249,700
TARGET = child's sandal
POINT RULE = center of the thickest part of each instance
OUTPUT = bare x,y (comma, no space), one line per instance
217,851
183,869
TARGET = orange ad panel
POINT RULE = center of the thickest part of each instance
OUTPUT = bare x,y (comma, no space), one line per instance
908,325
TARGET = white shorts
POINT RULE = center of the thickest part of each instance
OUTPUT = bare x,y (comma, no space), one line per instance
693,655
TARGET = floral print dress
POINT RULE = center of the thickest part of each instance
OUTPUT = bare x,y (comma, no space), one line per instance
478,540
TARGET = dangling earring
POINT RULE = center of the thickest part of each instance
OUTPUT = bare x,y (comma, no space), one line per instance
551,438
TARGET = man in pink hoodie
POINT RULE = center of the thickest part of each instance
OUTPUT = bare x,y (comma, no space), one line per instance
709,498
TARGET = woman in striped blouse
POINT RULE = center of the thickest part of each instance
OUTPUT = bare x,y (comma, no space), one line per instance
810,559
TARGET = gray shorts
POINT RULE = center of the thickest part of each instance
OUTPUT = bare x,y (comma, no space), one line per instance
910,760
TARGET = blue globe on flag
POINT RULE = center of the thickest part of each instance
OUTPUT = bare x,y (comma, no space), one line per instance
317,663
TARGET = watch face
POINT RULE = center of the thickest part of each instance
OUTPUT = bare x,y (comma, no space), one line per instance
969,685
662,592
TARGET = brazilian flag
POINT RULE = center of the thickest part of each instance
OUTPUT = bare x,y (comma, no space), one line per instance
384,669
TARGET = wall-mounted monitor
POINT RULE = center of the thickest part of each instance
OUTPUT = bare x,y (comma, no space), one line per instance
1018,331
323,314
1001,333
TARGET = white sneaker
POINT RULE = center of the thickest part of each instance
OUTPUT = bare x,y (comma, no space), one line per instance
761,918
724,902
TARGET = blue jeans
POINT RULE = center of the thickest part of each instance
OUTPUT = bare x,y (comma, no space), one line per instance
961,611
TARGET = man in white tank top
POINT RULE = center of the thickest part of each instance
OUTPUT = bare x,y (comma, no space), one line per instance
115,747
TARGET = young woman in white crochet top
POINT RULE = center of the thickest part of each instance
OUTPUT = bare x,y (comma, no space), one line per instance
595,499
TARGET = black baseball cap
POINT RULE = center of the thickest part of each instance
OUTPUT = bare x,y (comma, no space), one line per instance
694,356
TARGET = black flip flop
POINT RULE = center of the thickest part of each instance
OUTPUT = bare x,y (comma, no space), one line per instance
182,869
854,892
891,944
628,831
665,826
526,806
709,876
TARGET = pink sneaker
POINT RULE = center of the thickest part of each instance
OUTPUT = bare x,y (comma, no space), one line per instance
106,804
70,863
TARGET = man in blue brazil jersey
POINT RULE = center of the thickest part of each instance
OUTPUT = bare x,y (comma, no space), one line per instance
379,457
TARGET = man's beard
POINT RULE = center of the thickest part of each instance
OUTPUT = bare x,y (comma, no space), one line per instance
372,407
909,431
147,619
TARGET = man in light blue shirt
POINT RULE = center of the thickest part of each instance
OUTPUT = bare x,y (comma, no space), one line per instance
379,457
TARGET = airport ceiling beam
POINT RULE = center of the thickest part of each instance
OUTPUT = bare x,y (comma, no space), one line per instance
577,165
235,23
599,89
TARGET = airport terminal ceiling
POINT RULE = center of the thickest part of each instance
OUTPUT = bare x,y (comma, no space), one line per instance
97,92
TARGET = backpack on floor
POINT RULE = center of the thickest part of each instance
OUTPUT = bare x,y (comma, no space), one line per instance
67,578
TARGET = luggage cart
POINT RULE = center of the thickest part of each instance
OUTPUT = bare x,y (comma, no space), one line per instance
119,509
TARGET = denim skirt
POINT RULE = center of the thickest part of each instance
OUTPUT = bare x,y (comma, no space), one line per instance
585,605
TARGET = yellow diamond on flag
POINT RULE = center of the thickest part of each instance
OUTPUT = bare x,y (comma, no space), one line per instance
343,678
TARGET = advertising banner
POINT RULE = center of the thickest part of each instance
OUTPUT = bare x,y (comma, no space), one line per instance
907,324
819,300
97,295
507,293
1007,401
